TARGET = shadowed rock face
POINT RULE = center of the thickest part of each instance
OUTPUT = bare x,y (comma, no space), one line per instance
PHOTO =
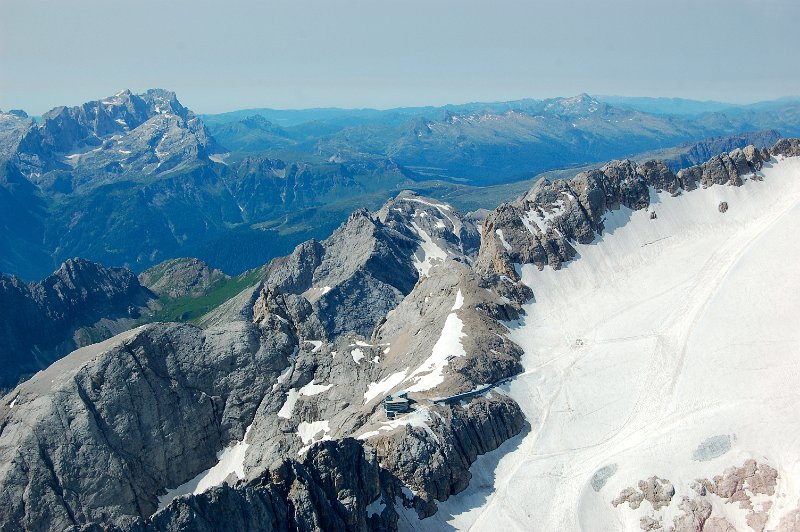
43,321
353,278
330,489
786,148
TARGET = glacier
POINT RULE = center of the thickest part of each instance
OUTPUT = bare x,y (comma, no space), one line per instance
668,347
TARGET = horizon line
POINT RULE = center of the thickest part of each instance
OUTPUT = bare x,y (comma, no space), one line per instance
422,106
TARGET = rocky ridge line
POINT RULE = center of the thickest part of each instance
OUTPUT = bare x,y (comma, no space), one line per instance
540,227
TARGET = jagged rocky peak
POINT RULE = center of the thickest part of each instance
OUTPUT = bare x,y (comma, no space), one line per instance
99,118
83,277
442,230
372,261
13,126
131,134
440,341
541,227
80,303
181,277
329,332
786,148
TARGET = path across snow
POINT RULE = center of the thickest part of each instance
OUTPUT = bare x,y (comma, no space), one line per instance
665,340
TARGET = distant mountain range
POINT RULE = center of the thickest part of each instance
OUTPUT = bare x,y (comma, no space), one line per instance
132,180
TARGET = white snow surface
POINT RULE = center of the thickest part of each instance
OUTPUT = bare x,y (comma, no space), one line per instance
417,418
313,432
376,507
429,374
358,355
503,240
316,343
543,219
309,432
662,334
431,253
294,394
230,460
316,292
384,386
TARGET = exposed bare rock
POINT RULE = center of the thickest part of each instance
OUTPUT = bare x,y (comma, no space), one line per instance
745,486
630,495
757,519
695,513
720,170
413,215
541,227
751,476
98,435
433,460
786,148
648,523
723,206
180,277
657,491
82,302
336,486
790,522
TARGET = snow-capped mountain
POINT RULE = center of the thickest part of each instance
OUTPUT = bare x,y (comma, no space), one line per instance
659,367
125,134
606,355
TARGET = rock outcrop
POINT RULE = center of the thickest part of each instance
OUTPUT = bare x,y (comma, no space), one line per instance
786,148
338,485
287,370
540,227
180,278
82,302
748,490
100,434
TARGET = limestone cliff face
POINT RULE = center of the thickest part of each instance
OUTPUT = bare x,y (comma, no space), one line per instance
98,435
294,368
82,302
540,227
337,486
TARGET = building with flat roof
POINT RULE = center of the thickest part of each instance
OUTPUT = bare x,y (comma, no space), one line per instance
396,404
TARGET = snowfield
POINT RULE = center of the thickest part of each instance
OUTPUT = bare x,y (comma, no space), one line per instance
669,347
230,461
430,374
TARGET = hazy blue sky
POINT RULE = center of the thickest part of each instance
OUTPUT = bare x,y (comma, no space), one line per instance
231,54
